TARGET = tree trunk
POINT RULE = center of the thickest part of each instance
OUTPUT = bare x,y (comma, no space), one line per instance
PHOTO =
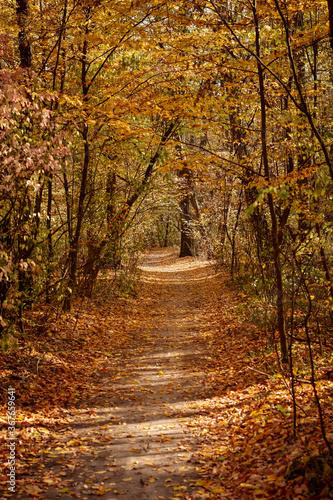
186,242
330,16
74,243
167,225
75,240
49,238
22,11
275,229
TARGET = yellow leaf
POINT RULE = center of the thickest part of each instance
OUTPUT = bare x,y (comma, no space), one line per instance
101,491
201,483
50,481
218,489
32,489
247,485
271,478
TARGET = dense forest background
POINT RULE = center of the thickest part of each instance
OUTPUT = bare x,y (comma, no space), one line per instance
203,124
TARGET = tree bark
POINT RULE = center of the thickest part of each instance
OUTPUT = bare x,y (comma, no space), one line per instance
74,243
275,229
186,242
75,240
22,11
330,17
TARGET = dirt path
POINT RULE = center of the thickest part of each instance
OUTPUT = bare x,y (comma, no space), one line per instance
173,394
142,433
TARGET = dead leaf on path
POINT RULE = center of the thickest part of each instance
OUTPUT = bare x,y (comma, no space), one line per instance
101,491
33,489
218,489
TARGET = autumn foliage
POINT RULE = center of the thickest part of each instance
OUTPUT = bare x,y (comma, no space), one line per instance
201,125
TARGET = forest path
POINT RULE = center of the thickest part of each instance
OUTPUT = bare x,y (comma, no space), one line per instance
172,394
142,434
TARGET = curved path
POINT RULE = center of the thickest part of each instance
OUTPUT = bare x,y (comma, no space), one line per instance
144,442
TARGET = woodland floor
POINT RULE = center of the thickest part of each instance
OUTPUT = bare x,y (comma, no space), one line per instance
167,395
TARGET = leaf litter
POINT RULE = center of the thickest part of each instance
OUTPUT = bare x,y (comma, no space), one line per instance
171,394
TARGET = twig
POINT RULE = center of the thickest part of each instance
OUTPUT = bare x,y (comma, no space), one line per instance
39,360
78,314
258,371
145,449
